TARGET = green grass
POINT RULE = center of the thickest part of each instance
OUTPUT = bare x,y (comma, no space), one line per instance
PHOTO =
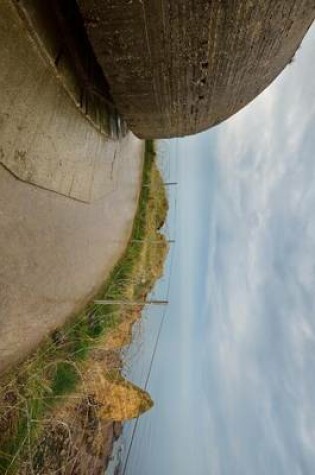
65,379
29,392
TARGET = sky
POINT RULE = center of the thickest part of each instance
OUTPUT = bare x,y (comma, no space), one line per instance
234,374
258,353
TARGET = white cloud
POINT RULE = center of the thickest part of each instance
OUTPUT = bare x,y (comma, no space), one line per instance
261,280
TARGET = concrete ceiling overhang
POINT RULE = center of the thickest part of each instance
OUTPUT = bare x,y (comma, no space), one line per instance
178,67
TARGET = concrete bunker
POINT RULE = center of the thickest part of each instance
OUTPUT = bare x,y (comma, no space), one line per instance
177,67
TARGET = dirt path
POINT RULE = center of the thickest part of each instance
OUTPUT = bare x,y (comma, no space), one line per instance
55,251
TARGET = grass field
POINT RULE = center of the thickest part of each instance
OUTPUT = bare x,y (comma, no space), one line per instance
31,393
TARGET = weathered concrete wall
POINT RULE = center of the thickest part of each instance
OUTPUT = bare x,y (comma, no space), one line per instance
47,137
54,251
57,30
177,67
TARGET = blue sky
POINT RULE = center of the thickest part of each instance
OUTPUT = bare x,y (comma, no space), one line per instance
234,376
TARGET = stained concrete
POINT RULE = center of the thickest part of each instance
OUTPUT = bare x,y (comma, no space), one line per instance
45,136
68,187
55,251
177,67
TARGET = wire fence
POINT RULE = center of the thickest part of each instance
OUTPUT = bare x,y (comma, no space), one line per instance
169,173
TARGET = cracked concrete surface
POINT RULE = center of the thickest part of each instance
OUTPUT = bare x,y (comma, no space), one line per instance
55,251
45,138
